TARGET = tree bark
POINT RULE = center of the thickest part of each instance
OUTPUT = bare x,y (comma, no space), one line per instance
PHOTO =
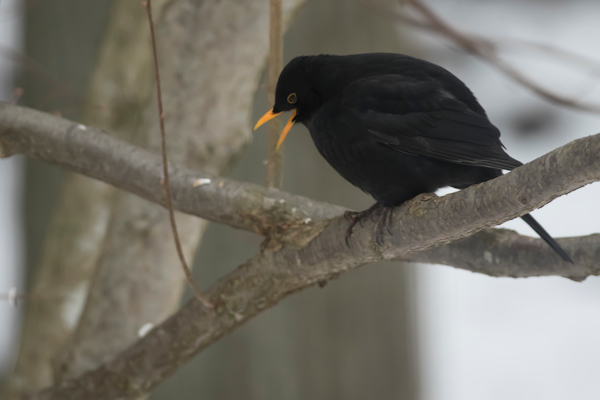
294,221
210,57
210,69
319,253
80,216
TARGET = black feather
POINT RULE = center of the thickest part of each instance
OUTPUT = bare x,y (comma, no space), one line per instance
395,126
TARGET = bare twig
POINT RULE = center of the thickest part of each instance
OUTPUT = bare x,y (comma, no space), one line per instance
488,42
275,157
510,44
486,49
398,14
186,269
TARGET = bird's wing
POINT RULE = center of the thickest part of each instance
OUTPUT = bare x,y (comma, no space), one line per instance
421,118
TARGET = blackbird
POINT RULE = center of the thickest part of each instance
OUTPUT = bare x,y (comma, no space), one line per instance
395,126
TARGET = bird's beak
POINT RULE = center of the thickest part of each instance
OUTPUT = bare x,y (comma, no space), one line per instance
266,118
269,116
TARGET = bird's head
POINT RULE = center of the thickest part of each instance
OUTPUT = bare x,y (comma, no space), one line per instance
295,92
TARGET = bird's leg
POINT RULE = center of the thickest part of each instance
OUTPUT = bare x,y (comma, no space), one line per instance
385,221
357,217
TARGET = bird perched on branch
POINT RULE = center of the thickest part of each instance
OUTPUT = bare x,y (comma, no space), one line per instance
395,126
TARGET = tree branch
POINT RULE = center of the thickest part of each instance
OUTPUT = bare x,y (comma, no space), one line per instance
207,87
90,151
306,253
505,253
284,217
259,284
486,49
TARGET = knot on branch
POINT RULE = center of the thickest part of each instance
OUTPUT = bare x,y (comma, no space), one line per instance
422,203
295,233
6,150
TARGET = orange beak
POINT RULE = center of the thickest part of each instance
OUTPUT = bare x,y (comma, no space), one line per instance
269,116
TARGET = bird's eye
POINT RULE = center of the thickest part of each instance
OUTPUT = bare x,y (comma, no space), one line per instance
292,99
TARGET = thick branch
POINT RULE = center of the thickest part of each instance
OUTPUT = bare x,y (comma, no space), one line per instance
211,54
310,252
90,151
272,212
79,219
253,287
243,293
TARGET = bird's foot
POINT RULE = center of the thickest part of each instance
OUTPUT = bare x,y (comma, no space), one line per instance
357,217
385,222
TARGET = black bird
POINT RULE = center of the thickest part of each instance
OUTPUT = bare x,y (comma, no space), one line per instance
395,126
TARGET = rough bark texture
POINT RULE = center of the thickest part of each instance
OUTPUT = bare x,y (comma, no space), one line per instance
210,59
120,85
290,220
285,268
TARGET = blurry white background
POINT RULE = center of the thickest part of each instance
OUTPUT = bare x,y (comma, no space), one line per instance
519,339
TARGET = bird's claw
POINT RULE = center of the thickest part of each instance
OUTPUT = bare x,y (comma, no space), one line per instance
384,222
379,239
357,217
353,217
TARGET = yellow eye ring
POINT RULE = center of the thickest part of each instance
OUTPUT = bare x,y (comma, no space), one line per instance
292,99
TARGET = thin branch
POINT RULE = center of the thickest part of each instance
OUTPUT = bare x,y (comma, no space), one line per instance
486,49
186,269
487,52
488,42
12,296
509,44
275,157
493,43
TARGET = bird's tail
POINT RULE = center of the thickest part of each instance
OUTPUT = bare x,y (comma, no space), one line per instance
547,238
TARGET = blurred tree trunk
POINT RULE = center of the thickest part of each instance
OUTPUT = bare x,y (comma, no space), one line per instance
294,351
290,352
62,38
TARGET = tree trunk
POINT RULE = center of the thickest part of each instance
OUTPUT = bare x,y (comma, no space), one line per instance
210,70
